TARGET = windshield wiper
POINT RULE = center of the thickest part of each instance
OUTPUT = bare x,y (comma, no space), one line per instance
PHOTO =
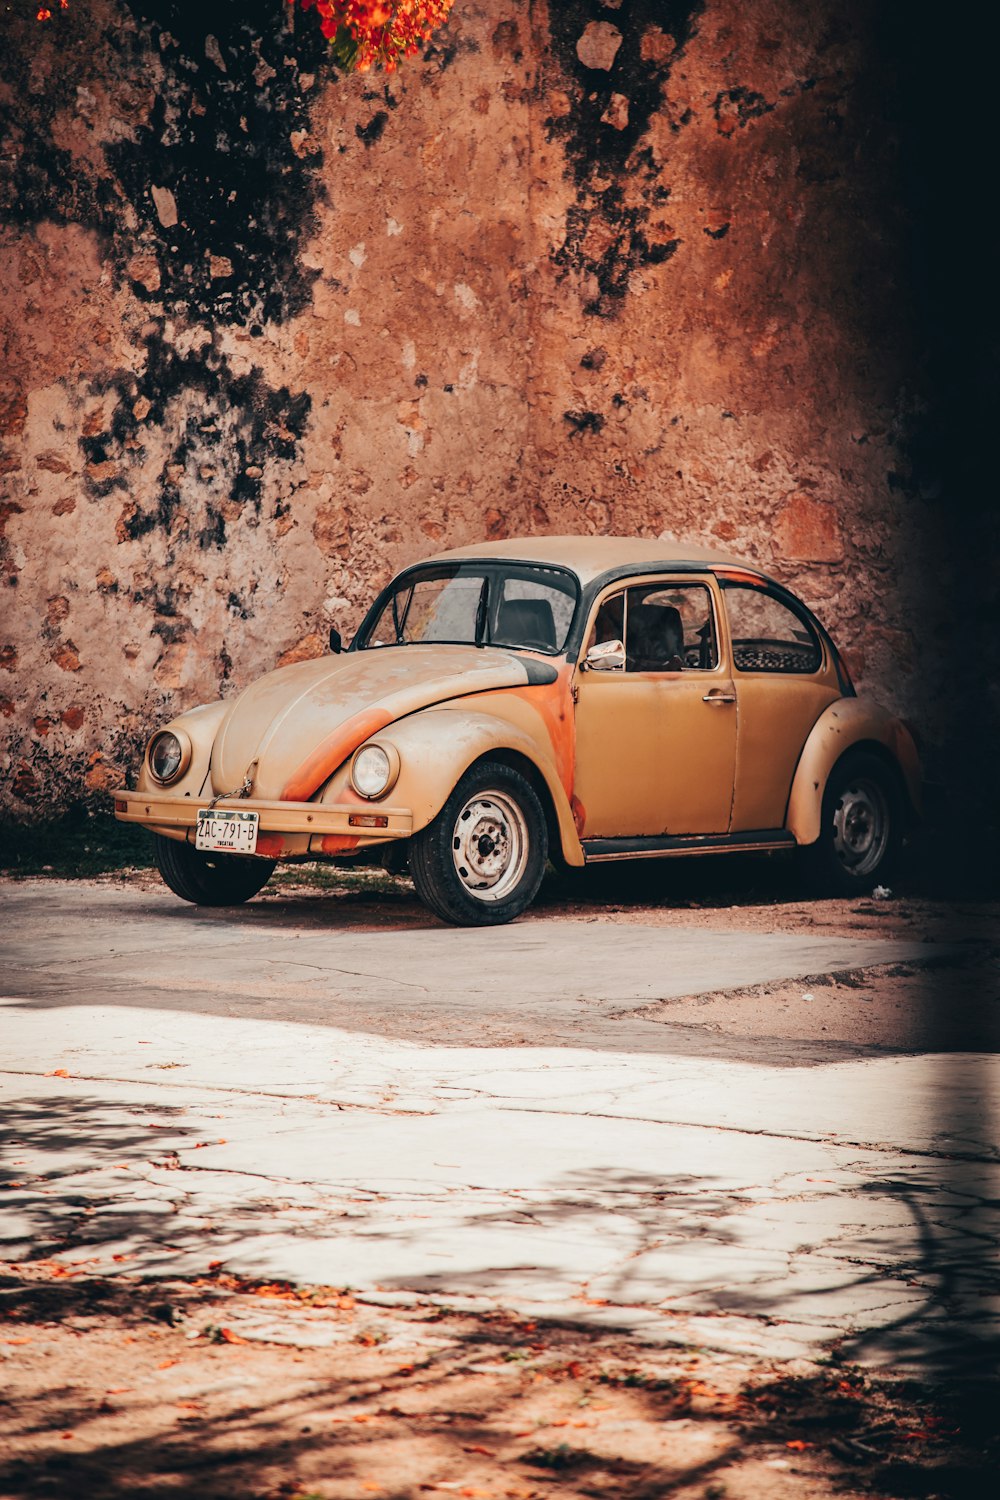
482,613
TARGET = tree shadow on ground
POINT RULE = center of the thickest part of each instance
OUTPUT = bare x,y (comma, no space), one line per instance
901,1261
485,1405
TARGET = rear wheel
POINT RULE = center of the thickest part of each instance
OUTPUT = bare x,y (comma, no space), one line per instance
862,828
481,860
210,879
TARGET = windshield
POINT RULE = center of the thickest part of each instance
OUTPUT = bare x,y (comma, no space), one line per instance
477,604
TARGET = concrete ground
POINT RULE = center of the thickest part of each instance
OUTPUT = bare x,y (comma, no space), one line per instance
765,1129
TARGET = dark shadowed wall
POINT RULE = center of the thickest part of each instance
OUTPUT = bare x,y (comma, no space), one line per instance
268,334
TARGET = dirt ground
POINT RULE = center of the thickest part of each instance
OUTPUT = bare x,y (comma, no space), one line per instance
216,1389
949,1003
219,1389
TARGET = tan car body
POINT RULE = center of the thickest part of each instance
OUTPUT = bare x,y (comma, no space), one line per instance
741,759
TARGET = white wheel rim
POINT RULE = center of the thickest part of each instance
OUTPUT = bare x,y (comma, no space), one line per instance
489,846
861,827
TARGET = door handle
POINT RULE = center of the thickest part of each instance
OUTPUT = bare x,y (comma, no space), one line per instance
717,696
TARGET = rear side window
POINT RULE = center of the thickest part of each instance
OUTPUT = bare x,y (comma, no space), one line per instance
767,635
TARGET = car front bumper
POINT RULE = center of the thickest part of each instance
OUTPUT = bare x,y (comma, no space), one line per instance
287,829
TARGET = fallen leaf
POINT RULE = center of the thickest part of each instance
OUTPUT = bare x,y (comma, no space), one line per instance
165,1364
16,1341
479,1448
69,1435
798,1445
227,1336
59,1073
117,1390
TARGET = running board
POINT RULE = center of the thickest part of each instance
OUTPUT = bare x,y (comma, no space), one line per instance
692,843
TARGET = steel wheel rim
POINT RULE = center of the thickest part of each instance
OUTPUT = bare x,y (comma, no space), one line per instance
861,827
489,846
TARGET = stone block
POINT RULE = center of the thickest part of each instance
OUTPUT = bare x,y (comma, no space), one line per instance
808,530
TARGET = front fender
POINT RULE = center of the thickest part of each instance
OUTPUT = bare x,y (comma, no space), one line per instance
201,725
846,723
437,746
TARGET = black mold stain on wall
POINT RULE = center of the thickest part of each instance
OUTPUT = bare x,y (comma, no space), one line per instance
201,212
220,141
606,236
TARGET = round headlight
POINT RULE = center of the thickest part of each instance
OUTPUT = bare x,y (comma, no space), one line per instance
372,772
166,756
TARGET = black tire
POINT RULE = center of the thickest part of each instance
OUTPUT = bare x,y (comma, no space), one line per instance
861,831
210,879
481,860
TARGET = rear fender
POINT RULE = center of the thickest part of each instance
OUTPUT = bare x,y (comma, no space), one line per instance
845,724
436,748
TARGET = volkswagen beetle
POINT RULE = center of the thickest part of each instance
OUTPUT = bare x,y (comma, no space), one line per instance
575,698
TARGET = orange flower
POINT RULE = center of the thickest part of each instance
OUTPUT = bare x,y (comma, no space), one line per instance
377,33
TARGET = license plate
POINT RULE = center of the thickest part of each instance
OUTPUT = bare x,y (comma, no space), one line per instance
228,831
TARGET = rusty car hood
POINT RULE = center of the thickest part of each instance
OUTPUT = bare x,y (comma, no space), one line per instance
290,730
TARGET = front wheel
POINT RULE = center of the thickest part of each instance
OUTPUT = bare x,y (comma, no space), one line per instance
862,828
481,860
210,879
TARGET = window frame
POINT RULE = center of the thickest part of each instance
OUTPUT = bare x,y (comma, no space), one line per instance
493,569
622,585
792,605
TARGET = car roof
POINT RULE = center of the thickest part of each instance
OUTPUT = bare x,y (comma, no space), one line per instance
589,556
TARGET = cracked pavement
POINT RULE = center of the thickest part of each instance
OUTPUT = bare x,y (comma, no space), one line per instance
538,1118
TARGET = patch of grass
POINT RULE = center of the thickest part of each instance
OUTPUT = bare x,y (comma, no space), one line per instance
369,880
562,1457
79,844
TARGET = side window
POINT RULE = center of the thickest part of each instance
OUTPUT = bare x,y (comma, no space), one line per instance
767,635
665,627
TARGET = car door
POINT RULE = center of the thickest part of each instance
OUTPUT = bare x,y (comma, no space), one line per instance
656,738
784,680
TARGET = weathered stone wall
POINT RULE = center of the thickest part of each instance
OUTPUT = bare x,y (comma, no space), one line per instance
268,333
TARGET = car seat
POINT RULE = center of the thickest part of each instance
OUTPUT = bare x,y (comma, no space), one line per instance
526,622
656,638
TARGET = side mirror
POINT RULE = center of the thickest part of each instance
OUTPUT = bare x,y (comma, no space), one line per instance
609,656
336,644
